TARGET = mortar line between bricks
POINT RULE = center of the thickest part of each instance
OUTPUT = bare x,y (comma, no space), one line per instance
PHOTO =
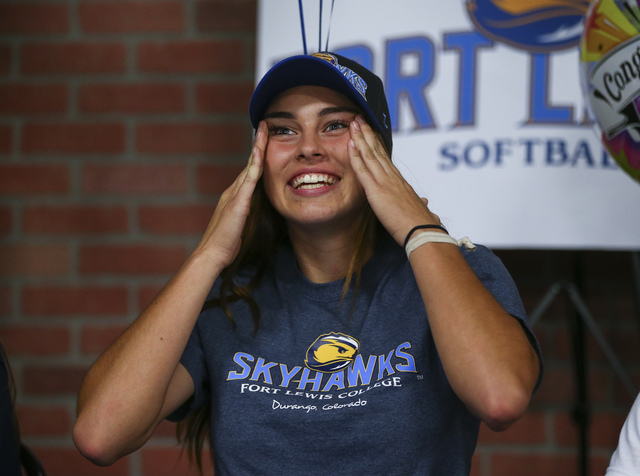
74,91
75,29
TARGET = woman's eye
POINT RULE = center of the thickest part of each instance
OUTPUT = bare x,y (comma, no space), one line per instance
333,126
279,130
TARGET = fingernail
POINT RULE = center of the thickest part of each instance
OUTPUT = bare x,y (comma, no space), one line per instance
356,124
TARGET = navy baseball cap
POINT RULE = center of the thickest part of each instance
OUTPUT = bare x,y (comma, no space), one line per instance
331,71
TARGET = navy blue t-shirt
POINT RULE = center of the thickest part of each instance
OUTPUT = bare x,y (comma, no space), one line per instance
329,386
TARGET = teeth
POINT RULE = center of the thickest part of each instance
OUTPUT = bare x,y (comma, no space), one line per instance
309,181
309,186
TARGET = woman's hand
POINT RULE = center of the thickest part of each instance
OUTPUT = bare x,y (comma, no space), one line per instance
392,199
223,235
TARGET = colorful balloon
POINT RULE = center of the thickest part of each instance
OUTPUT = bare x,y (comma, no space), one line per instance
610,74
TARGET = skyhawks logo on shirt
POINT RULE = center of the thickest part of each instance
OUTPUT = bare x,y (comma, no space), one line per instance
333,362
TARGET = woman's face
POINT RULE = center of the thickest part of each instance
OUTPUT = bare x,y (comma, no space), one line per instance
307,173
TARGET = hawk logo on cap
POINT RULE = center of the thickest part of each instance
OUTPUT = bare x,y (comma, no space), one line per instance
329,58
332,352
354,78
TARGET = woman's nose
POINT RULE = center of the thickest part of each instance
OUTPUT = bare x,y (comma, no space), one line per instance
310,147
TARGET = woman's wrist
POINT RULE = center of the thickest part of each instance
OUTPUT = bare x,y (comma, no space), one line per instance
210,260
418,237
423,227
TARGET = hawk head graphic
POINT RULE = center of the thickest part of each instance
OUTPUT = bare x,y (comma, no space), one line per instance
332,352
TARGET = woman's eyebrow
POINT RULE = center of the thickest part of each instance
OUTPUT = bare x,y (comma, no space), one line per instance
279,115
323,112
333,110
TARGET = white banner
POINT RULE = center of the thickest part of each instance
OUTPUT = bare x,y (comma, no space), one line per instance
489,119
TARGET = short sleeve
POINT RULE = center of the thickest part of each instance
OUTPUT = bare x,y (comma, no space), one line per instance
194,361
495,277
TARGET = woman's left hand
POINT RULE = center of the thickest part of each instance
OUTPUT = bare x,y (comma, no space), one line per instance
392,199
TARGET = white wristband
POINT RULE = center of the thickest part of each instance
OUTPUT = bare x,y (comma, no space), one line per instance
434,237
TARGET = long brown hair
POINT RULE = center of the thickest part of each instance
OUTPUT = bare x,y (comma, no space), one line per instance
265,230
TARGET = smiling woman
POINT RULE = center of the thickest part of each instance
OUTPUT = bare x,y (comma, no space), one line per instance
322,281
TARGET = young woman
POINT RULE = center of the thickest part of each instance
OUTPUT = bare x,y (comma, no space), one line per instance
326,322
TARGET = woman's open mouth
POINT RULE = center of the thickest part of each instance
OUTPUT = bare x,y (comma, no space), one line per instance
311,181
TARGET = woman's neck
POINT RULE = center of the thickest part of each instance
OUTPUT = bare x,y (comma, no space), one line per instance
323,256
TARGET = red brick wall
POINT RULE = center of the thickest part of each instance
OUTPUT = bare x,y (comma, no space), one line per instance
545,441
120,124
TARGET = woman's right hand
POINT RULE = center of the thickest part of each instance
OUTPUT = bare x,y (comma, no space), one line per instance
223,235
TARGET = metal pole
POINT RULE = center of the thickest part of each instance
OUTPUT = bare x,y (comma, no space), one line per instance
582,408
